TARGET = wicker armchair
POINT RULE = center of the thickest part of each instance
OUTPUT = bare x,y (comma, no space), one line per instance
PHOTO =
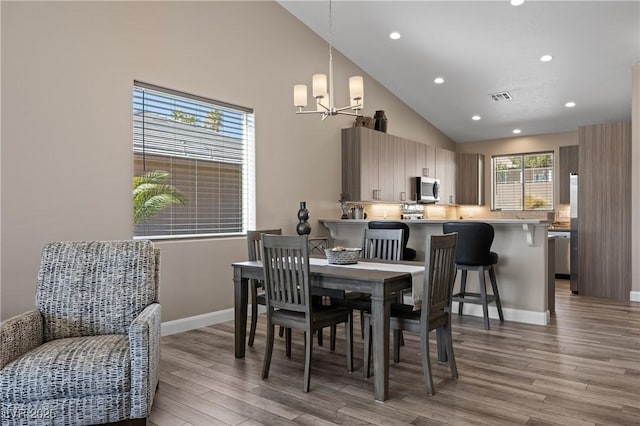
89,352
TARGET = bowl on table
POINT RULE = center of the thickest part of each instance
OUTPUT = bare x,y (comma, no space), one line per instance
342,255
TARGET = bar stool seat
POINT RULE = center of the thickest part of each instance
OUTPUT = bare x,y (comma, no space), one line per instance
473,253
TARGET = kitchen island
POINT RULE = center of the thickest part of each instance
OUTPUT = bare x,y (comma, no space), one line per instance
522,269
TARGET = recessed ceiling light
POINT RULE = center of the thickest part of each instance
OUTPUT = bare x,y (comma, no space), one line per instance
517,131
546,58
394,35
476,118
438,80
516,2
570,104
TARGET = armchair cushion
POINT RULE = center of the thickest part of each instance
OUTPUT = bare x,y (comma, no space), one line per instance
75,367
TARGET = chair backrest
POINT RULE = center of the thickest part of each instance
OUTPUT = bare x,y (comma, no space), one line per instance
254,242
474,242
88,288
389,224
440,273
286,273
384,244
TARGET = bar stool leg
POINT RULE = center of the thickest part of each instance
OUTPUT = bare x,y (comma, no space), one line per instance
494,286
463,289
483,296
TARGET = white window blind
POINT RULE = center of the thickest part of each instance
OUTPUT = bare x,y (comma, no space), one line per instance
207,148
523,181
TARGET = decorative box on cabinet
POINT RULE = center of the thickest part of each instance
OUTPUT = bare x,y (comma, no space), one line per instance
568,165
470,181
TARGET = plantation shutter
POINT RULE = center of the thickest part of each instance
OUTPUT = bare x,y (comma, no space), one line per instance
207,148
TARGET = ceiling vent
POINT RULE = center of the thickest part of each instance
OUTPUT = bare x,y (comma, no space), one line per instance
501,96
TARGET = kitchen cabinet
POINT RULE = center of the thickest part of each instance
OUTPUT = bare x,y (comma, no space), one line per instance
470,179
568,165
604,210
377,166
446,171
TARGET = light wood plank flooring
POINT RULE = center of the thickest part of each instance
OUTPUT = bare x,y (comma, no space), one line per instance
583,369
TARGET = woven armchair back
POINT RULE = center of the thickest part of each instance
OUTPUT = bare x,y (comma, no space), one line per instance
88,288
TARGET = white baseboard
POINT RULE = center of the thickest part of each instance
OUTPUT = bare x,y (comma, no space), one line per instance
211,318
634,296
199,321
517,315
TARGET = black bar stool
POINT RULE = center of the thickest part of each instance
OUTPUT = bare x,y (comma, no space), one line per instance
473,253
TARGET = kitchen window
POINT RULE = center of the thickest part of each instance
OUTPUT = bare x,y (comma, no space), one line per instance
193,161
523,181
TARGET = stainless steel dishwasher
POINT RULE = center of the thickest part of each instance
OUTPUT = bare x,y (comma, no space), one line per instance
563,259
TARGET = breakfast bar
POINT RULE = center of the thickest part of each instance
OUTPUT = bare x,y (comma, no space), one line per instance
522,269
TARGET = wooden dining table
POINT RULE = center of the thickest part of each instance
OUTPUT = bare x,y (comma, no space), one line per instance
382,285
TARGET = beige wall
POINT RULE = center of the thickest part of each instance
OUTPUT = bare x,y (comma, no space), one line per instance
635,181
517,145
66,166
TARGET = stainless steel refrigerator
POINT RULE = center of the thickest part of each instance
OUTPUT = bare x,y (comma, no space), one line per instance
573,193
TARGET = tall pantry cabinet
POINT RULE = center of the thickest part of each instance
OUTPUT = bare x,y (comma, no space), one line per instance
604,210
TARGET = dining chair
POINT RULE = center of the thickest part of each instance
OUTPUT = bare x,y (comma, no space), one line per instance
407,252
434,312
254,247
288,297
380,244
384,244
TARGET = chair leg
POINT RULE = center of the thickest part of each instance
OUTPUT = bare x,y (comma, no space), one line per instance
463,289
494,286
319,332
446,333
426,360
287,350
483,296
332,337
268,350
367,346
308,350
441,345
348,336
397,342
254,312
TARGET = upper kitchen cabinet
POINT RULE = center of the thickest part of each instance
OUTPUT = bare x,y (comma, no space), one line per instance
568,165
470,182
446,172
367,165
378,167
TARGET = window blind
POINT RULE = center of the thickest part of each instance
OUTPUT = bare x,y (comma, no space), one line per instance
207,148
523,181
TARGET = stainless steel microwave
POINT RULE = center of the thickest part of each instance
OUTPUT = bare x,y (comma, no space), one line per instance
427,189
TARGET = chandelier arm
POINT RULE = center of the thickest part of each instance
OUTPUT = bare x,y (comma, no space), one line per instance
354,107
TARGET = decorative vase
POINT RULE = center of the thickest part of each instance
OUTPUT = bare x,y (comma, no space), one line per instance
303,227
381,121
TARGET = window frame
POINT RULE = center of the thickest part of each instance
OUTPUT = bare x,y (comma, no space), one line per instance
247,182
523,182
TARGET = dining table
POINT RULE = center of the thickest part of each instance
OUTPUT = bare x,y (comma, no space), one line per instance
382,281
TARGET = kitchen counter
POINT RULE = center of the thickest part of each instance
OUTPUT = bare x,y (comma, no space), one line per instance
522,269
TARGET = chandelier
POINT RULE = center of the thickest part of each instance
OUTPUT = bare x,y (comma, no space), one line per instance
324,98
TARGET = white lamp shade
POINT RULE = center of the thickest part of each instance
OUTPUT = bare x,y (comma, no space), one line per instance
356,87
300,95
319,85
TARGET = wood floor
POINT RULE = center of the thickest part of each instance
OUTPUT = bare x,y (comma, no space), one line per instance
583,369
